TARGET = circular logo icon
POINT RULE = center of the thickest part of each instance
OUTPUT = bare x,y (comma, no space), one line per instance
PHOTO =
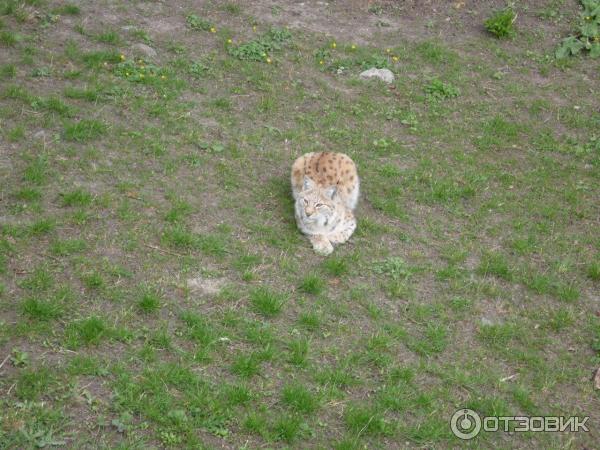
465,424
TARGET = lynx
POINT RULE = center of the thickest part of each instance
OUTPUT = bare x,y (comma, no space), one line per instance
325,187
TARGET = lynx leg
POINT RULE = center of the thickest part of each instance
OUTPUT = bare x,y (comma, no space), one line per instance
321,244
341,236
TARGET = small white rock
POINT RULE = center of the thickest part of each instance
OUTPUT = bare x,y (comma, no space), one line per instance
385,75
206,286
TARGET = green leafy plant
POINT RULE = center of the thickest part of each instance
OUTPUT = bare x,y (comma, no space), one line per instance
199,69
501,22
139,71
437,90
588,33
259,49
198,23
375,60
395,267
19,358
322,54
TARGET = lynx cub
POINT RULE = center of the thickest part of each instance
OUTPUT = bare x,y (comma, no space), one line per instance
325,186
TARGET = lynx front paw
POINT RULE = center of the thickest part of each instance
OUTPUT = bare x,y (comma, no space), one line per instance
321,245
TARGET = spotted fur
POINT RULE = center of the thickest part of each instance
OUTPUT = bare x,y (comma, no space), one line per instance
325,187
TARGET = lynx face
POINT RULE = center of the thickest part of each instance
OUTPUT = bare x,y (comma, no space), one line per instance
317,207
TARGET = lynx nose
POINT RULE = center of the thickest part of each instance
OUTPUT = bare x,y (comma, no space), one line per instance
309,211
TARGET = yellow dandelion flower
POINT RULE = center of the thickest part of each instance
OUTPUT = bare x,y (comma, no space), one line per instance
269,61
353,47
162,77
333,45
229,41
254,28
395,58
213,30
122,57
388,50
126,74
321,62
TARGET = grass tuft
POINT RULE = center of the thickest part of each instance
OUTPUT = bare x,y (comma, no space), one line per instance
84,130
267,302
88,331
299,398
363,419
149,303
312,284
496,264
43,310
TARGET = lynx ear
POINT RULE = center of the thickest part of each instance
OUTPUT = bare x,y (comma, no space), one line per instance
331,192
308,184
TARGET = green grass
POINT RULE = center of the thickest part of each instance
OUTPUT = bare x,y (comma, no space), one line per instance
246,366
93,280
88,331
299,350
54,105
96,59
8,71
42,226
500,23
336,266
84,130
312,284
109,37
149,302
267,302
496,264
593,271
33,383
68,9
8,38
28,194
67,247
36,170
155,290
38,309
41,279
89,94
77,197
360,419
299,399
16,134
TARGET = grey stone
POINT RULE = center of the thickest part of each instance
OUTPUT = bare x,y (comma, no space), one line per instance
144,50
206,286
384,75
40,135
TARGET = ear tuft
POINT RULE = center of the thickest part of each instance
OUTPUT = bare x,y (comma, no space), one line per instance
331,192
307,184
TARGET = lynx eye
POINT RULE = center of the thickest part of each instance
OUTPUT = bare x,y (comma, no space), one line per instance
305,202
318,205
